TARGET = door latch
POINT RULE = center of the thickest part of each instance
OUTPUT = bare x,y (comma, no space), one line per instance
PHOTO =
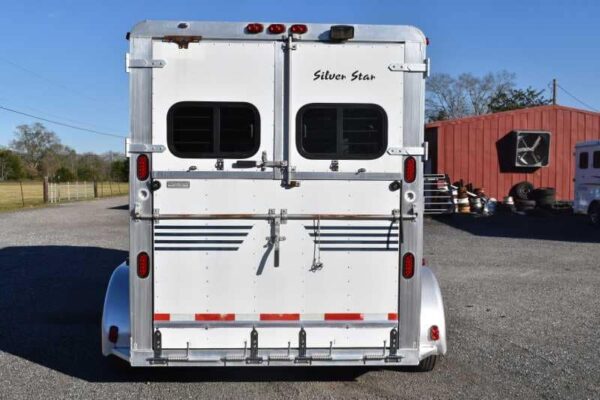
275,238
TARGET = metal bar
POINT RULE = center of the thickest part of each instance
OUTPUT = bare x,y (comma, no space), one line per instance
366,217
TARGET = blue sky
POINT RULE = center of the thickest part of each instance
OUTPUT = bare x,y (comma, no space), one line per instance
64,60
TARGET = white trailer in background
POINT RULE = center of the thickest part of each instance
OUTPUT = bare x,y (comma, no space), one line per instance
276,206
587,180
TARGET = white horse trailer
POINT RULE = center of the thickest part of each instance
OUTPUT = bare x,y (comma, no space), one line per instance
587,180
276,202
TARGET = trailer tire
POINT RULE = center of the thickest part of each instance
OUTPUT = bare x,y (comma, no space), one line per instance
594,214
427,364
522,190
544,197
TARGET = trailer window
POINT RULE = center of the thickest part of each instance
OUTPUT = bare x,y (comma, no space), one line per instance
213,130
341,131
584,160
596,159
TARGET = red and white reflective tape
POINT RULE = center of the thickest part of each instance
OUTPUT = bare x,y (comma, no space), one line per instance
215,317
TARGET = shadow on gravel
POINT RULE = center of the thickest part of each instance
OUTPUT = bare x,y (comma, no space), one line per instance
566,228
51,300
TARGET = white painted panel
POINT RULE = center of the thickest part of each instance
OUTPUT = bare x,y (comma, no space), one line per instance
345,59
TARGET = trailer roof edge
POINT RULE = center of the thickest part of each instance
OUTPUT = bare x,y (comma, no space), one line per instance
235,31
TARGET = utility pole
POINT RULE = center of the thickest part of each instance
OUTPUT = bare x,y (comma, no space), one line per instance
554,91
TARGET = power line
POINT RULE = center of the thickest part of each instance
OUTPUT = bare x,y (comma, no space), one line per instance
62,123
577,99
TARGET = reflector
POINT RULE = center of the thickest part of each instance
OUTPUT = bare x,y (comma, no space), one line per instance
434,333
143,167
276,28
254,28
113,334
408,265
143,265
410,169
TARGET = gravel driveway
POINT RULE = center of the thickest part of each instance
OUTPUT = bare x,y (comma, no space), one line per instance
522,301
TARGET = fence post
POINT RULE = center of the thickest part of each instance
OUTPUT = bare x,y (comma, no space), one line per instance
22,197
45,189
95,189
110,187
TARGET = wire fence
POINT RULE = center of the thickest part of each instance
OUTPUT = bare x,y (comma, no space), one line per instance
31,193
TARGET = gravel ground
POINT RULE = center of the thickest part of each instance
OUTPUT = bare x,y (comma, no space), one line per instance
521,294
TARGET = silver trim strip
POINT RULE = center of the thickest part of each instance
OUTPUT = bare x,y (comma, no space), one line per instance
273,324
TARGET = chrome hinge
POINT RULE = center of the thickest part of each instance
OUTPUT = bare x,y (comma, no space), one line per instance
142,63
289,44
265,163
143,148
407,151
411,67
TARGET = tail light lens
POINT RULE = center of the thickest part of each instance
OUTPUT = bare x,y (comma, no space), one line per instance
254,28
143,265
143,167
434,333
276,28
299,29
410,169
113,334
408,265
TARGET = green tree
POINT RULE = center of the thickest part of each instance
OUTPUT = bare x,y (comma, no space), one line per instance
514,99
64,174
11,166
119,170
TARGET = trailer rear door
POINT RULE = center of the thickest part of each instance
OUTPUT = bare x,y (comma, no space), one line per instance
216,279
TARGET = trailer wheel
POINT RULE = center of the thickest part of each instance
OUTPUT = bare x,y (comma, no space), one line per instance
427,364
594,213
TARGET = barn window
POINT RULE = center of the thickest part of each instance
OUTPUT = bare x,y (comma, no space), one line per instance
213,130
341,131
596,160
584,160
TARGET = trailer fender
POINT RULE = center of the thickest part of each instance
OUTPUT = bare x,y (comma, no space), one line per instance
116,312
432,313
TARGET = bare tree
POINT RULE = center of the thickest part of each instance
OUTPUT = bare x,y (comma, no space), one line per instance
32,142
449,97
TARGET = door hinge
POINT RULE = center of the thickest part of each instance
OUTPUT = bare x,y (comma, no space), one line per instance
411,67
142,63
181,40
142,147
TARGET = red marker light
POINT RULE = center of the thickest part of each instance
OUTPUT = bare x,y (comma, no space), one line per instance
143,265
143,167
410,169
299,29
408,265
434,333
276,28
254,28
113,334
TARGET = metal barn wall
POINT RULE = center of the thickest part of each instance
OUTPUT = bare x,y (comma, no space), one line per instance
466,148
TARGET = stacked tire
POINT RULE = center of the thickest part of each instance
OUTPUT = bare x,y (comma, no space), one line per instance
521,193
544,197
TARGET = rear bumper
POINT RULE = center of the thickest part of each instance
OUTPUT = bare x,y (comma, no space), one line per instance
116,313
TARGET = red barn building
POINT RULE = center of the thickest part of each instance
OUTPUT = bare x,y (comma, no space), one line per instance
481,149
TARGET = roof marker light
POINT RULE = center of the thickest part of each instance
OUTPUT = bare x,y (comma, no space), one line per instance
434,333
113,334
276,28
299,29
254,28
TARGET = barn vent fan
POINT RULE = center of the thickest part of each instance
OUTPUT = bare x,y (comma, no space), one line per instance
532,149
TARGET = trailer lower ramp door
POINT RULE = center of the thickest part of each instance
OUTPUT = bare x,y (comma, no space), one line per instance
247,263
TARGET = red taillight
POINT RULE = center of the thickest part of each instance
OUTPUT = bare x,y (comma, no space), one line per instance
434,333
276,28
408,265
299,29
410,169
113,334
254,28
143,265
143,167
